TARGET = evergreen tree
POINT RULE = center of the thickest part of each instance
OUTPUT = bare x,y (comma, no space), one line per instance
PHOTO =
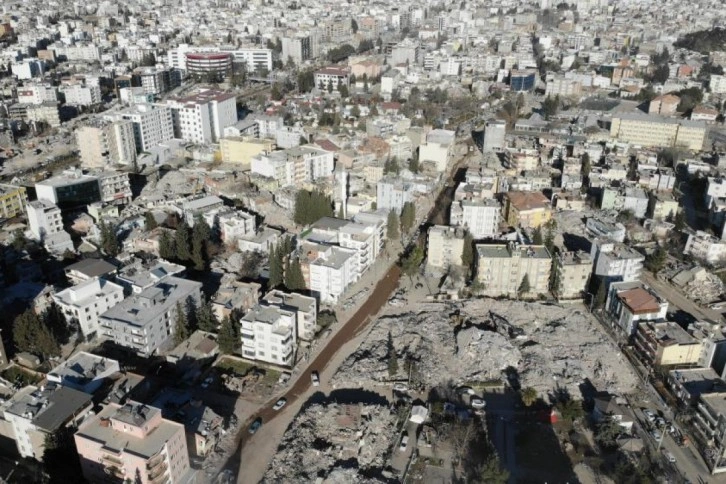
60,457
181,327
150,221
286,271
276,267
408,216
391,166
109,242
206,319
537,236
679,221
411,262
392,226
296,280
524,287
275,93
32,335
655,261
54,319
413,164
228,339
191,310
555,281
601,296
311,207
166,246
181,242
549,238
467,253
392,357
586,165
201,236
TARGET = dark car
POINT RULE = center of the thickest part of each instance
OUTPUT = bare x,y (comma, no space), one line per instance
256,425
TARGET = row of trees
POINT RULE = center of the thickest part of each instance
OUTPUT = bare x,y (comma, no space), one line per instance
190,317
41,334
311,207
285,268
404,223
189,245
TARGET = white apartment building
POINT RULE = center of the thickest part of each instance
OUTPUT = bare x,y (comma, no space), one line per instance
202,117
146,322
106,143
37,94
615,260
716,189
304,307
78,52
268,333
362,237
481,217
575,269
494,135
194,207
630,303
81,95
115,186
310,163
231,224
300,48
393,193
502,268
717,84
28,69
705,246
86,301
44,218
445,246
332,76
152,124
562,87
332,272
275,166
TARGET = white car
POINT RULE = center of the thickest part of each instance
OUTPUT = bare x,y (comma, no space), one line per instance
280,403
315,377
478,403
671,458
400,387
404,442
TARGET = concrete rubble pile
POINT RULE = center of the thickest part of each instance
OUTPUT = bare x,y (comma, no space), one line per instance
705,290
324,440
477,340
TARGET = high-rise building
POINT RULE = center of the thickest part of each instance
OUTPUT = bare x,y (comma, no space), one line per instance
152,124
202,117
494,133
106,143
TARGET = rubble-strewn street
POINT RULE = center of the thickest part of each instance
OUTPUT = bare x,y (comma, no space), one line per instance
548,345
343,443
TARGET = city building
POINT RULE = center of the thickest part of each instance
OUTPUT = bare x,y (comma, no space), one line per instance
480,216
44,219
632,303
654,131
86,301
494,135
197,207
574,274
12,200
331,271
146,322
665,104
241,150
202,117
527,209
704,246
304,307
71,189
81,95
688,384
87,269
710,421
393,193
301,48
84,372
502,268
615,261
33,413
269,334
208,63
332,76
153,124
665,343
523,80
445,246
106,143
133,442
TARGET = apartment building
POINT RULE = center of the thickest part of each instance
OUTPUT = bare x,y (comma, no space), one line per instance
666,344
301,48
114,186
37,94
71,189
44,218
241,149
332,76
702,245
145,322
575,269
658,131
527,209
84,372
231,224
202,117
494,135
153,124
445,246
632,303
688,384
85,302
47,112
560,86
615,261
501,268
106,143
710,421
362,237
269,334
198,207
304,307
665,104
275,166
33,413
332,271
133,442
81,95
155,81
12,200
393,193
481,217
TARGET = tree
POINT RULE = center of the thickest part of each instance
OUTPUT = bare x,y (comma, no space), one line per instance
467,252
490,472
391,166
679,221
275,93
355,111
354,26
408,216
166,246
31,334
392,357
201,237
311,207
294,279
550,106
150,221
276,267
306,80
392,226
524,286
206,319
343,90
412,261
537,236
251,263
228,339
555,281
413,164
181,242
330,88
60,456
570,410
529,396
181,326
109,242
607,433
19,239
656,260
549,237
585,165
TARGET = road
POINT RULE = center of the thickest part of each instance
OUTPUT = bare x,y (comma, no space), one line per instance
676,298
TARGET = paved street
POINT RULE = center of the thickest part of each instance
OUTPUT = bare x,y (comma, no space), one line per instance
678,300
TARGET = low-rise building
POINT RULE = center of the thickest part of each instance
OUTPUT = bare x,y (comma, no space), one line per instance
615,261
87,269
84,372
705,246
503,268
527,209
666,344
133,442
241,149
688,384
574,273
304,307
632,303
86,301
445,246
268,333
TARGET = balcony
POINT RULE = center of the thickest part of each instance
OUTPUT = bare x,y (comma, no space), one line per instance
111,460
159,470
703,412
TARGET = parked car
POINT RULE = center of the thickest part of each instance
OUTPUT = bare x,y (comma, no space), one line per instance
478,403
671,458
280,403
656,434
207,381
255,425
404,442
315,377
400,387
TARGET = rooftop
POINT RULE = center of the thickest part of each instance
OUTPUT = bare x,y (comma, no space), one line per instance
639,300
717,401
527,200
91,267
49,406
82,368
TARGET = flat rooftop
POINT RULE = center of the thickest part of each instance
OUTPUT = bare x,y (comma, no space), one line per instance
717,401
49,406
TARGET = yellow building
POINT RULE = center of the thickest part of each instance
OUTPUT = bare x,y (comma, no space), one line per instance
658,131
666,344
12,201
241,150
502,268
527,209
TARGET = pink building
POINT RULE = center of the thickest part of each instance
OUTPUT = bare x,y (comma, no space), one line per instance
133,442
